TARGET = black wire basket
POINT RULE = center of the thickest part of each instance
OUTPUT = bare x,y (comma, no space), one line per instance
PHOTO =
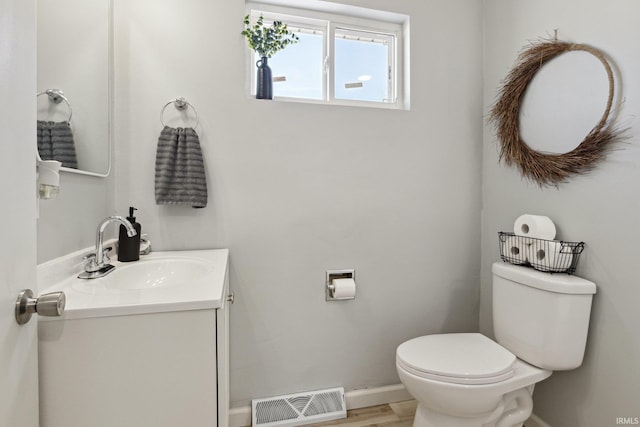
553,256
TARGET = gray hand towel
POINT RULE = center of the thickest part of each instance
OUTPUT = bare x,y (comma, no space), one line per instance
180,176
55,142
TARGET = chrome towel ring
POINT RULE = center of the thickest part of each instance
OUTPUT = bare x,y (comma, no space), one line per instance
56,96
181,104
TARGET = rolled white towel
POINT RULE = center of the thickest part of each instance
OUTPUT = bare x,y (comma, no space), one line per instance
550,256
538,226
516,249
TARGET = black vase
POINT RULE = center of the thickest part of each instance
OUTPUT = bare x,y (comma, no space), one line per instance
264,86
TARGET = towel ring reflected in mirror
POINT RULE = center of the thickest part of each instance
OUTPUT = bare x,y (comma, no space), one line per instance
181,104
56,96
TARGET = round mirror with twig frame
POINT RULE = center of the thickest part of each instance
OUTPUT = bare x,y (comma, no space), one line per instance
548,169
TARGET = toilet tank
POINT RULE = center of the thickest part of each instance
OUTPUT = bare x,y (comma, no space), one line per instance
542,318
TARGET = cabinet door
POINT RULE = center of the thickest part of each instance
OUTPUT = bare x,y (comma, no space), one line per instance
147,370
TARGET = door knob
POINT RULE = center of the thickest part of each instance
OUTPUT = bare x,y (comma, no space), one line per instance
51,304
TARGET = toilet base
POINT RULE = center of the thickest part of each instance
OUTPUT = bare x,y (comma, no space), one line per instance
513,410
427,418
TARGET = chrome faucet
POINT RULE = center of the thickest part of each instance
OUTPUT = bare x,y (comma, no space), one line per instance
98,264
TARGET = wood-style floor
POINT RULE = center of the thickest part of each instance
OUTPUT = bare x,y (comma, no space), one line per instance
399,414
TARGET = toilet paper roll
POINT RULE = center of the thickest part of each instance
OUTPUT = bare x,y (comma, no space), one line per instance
344,288
550,256
516,249
538,226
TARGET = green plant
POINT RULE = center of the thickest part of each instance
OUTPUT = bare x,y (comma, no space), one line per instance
267,39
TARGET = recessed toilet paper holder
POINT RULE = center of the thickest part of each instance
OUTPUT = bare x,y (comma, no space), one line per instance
331,275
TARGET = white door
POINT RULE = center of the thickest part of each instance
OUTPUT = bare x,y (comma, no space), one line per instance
18,344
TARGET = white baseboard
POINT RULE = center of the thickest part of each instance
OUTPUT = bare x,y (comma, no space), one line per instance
239,417
376,396
535,421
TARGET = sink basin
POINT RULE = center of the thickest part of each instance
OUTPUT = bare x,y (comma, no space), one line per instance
159,282
153,273
158,272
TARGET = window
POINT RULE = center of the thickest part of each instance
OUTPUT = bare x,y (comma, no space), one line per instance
339,59
363,66
298,71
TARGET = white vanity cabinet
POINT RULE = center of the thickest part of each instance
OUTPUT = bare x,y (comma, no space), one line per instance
153,363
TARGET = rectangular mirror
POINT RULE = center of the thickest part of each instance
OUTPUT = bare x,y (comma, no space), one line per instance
74,58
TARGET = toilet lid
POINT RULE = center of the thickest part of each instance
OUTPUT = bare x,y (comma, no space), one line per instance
457,358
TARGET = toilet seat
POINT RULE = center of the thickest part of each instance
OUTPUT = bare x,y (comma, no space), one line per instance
456,358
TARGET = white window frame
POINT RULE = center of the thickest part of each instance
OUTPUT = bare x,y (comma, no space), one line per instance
329,23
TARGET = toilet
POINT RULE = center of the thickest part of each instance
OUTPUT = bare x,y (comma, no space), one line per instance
540,323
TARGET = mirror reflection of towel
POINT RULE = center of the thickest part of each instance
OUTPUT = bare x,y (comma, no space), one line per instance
180,176
55,142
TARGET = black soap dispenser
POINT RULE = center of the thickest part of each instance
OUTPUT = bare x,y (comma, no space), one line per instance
129,247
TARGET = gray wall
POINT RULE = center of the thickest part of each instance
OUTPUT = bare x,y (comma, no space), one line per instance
601,208
296,189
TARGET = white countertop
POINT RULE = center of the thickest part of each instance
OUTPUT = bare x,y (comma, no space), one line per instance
205,289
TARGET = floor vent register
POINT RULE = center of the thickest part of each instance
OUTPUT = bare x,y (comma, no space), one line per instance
299,409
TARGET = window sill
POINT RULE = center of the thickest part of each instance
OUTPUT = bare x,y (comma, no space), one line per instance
337,102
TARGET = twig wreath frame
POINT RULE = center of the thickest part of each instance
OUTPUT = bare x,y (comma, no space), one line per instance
544,168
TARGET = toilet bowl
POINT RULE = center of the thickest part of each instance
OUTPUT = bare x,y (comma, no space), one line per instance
468,380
